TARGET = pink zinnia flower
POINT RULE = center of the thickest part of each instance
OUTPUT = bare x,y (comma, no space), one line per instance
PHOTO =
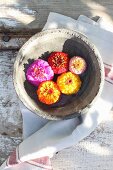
39,71
77,65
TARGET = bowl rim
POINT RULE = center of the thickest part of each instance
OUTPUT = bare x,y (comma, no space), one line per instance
89,43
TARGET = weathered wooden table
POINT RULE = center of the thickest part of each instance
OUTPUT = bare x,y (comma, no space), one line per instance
19,20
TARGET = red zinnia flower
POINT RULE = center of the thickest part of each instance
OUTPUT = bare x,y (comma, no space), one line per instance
59,62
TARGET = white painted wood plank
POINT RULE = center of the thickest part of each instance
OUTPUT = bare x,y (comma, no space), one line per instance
14,43
10,116
7,145
28,15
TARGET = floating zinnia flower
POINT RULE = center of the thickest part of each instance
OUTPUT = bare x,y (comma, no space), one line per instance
39,71
77,65
59,62
48,92
69,83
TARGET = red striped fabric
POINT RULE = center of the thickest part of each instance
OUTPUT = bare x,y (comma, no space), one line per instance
43,162
108,73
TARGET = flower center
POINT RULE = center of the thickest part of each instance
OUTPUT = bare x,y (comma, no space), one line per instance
50,91
79,64
76,65
36,70
39,72
58,60
69,81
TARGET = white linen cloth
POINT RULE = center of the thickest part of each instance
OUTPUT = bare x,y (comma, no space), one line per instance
48,137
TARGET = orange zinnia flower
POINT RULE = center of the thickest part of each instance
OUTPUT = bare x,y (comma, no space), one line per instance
48,92
69,83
